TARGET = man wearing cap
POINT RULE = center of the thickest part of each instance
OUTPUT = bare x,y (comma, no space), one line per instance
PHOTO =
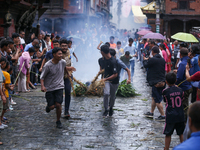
156,79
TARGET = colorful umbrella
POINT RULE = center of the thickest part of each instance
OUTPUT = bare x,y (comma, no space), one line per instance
154,36
144,32
185,37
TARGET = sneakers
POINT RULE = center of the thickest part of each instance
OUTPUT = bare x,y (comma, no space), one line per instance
4,118
105,113
111,111
1,127
160,118
35,84
67,115
48,109
149,115
10,107
12,102
58,124
4,125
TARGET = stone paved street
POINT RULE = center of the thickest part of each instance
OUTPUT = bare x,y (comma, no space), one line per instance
31,127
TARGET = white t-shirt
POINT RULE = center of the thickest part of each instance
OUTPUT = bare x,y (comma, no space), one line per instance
21,40
160,52
71,53
131,49
178,56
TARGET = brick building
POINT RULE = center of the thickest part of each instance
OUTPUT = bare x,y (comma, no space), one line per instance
72,15
16,15
175,15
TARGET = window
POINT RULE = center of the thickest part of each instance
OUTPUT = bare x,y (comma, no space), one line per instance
183,4
73,2
152,21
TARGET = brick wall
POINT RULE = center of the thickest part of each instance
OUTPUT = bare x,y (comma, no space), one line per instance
170,5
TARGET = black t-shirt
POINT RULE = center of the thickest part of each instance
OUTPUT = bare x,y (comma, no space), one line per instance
110,69
8,57
101,63
173,97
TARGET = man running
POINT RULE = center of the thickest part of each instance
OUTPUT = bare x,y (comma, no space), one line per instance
52,82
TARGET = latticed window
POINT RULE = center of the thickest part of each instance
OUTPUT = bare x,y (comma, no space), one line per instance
183,4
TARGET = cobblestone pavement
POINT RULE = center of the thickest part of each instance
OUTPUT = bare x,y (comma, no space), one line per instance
31,127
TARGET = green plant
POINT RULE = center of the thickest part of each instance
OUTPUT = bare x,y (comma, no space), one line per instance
126,90
80,90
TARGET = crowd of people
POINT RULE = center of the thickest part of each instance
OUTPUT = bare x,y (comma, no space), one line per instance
173,74
46,60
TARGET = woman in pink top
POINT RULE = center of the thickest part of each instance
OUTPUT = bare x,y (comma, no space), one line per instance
163,49
24,66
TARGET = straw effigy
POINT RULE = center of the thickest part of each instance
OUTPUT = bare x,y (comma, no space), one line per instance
96,87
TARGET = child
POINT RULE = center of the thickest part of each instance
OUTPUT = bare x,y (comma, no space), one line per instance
119,50
71,49
173,97
7,86
112,44
10,71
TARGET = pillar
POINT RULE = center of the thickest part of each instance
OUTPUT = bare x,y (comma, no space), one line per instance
166,28
184,26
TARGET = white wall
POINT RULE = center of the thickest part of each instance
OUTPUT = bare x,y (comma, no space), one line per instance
125,23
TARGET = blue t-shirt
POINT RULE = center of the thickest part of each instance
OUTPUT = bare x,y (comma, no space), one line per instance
49,55
181,75
193,143
27,47
194,62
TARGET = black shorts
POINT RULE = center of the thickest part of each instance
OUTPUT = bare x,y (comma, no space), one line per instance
157,93
169,128
54,96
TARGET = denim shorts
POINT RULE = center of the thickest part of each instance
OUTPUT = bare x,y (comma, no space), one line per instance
157,93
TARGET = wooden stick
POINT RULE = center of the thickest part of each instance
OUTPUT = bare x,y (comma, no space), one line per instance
19,73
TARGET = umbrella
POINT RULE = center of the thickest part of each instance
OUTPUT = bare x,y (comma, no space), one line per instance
185,37
154,36
144,32
74,37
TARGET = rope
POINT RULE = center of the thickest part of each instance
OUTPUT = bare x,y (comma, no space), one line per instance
179,85
181,82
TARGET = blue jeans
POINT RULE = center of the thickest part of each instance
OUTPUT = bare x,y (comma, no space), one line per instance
67,94
124,75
